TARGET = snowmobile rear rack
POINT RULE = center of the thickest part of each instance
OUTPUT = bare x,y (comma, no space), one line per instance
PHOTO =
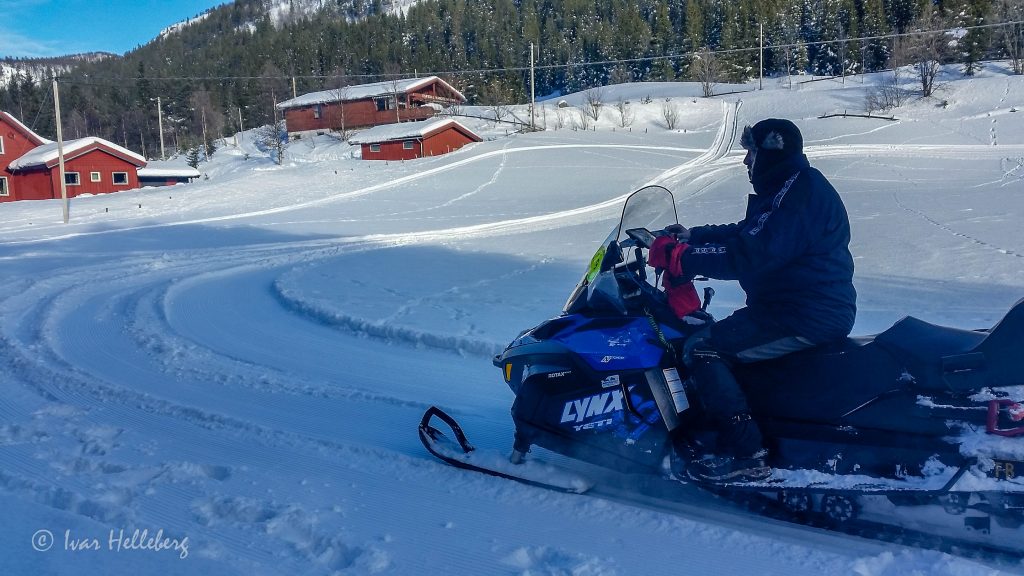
1012,410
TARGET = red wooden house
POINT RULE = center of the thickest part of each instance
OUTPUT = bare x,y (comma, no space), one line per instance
413,139
365,105
16,140
91,166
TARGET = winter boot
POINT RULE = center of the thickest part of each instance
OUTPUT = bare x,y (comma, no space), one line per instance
723,469
741,457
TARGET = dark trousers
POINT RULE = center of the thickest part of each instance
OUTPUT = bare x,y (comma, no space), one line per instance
745,336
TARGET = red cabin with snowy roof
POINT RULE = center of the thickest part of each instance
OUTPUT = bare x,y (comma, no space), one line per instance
392,101
413,139
91,165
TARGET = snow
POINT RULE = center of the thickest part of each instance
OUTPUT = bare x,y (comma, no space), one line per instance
160,169
242,361
43,155
17,123
363,91
404,130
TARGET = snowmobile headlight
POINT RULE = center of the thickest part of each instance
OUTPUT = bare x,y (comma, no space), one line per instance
508,372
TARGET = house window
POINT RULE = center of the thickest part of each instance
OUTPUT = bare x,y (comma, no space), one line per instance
3,186
385,103
374,147
72,179
1,144
120,178
95,177
317,111
407,145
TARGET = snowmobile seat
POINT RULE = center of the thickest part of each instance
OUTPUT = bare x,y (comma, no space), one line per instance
947,359
1001,349
929,351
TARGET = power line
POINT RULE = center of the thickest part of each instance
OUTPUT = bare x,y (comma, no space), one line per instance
117,81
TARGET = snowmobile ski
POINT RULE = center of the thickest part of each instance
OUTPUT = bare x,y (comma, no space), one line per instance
461,454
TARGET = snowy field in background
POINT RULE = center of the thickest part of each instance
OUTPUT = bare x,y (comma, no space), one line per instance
242,361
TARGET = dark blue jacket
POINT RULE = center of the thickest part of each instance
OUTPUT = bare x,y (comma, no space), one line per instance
790,253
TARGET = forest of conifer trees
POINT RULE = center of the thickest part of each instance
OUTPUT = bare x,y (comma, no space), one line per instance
237,62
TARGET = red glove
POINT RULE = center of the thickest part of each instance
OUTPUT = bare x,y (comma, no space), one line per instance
666,253
682,299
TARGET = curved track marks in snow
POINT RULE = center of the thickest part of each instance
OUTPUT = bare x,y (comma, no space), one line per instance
126,362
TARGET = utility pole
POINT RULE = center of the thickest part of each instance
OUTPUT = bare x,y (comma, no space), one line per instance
60,153
789,69
863,61
760,76
533,93
842,55
206,150
160,123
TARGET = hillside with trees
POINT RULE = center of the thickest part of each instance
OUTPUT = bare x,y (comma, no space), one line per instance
227,70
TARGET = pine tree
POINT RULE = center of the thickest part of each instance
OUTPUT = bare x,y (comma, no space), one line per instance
696,31
971,46
192,157
876,52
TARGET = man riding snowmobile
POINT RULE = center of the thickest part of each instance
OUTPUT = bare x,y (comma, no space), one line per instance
791,256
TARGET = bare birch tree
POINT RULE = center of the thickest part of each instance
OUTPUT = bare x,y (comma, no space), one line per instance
583,117
594,98
928,50
706,69
626,113
670,113
1011,36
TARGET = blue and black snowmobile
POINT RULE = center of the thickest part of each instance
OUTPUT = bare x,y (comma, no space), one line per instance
919,427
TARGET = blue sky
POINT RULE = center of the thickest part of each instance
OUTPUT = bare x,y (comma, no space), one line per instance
33,28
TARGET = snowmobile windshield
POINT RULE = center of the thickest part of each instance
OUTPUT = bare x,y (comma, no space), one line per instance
652,208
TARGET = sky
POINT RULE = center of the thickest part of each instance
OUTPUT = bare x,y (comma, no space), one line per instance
39,28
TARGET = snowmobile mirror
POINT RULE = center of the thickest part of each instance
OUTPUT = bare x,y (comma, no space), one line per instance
643,236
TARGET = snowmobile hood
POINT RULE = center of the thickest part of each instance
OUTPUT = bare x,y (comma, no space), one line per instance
613,344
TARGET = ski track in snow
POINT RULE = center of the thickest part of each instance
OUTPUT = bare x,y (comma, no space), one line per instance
127,428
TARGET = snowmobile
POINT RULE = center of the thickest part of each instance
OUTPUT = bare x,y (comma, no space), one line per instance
919,427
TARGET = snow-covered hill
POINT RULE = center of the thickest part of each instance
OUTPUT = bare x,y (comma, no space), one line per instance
39,68
241,362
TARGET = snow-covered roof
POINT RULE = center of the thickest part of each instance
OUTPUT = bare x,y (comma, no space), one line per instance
47,153
406,130
362,91
169,172
18,124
